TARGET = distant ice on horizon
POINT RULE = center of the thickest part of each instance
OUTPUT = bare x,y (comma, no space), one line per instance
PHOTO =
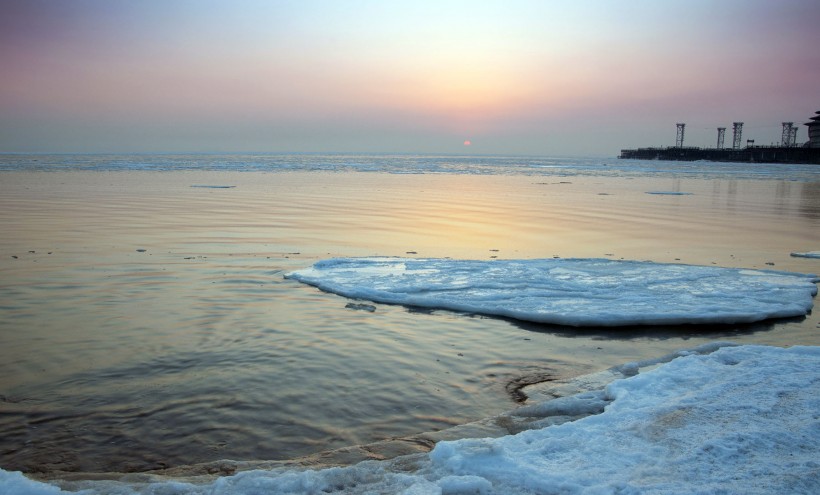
738,419
575,292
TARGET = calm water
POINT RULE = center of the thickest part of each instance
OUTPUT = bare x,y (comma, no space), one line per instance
146,323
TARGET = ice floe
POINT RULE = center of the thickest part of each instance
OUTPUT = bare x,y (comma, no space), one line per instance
741,419
808,254
576,292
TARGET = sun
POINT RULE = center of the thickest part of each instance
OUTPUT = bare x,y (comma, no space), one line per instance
467,142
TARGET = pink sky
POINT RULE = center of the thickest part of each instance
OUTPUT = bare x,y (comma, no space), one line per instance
518,77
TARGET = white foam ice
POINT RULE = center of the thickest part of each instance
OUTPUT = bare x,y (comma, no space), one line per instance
577,292
741,419
807,254
706,424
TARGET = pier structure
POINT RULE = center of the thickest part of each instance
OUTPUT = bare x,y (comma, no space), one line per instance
786,135
721,135
737,132
788,151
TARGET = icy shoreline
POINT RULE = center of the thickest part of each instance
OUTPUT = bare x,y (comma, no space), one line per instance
741,419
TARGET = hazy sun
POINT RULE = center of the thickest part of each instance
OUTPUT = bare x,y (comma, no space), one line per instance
467,142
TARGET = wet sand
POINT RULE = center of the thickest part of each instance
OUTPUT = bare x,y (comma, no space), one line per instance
145,322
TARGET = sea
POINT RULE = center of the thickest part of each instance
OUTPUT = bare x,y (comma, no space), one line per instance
146,322
408,164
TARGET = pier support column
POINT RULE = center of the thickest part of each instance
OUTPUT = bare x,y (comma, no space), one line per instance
679,137
737,132
786,137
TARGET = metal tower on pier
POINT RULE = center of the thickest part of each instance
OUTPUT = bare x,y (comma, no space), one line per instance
737,132
786,137
679,137
794,136
721,135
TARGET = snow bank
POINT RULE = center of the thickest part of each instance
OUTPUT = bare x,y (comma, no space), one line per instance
739,420
577,292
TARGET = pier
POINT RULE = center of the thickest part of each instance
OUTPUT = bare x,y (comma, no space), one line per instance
753,154
787,152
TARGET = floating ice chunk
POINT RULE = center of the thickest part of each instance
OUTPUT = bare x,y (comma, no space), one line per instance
361,307
808,254
577,292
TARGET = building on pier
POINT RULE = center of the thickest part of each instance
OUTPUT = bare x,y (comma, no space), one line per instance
814,131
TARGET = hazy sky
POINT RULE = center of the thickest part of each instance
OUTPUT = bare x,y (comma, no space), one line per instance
541,77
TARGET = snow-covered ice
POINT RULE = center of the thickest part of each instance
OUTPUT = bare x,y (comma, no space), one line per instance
807,254
741,419
577,292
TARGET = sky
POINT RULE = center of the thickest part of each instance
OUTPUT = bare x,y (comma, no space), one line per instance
540,77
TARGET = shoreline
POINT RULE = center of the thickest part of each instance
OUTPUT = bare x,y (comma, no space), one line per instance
410,447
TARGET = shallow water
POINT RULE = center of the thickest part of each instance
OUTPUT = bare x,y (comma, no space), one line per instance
146,323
